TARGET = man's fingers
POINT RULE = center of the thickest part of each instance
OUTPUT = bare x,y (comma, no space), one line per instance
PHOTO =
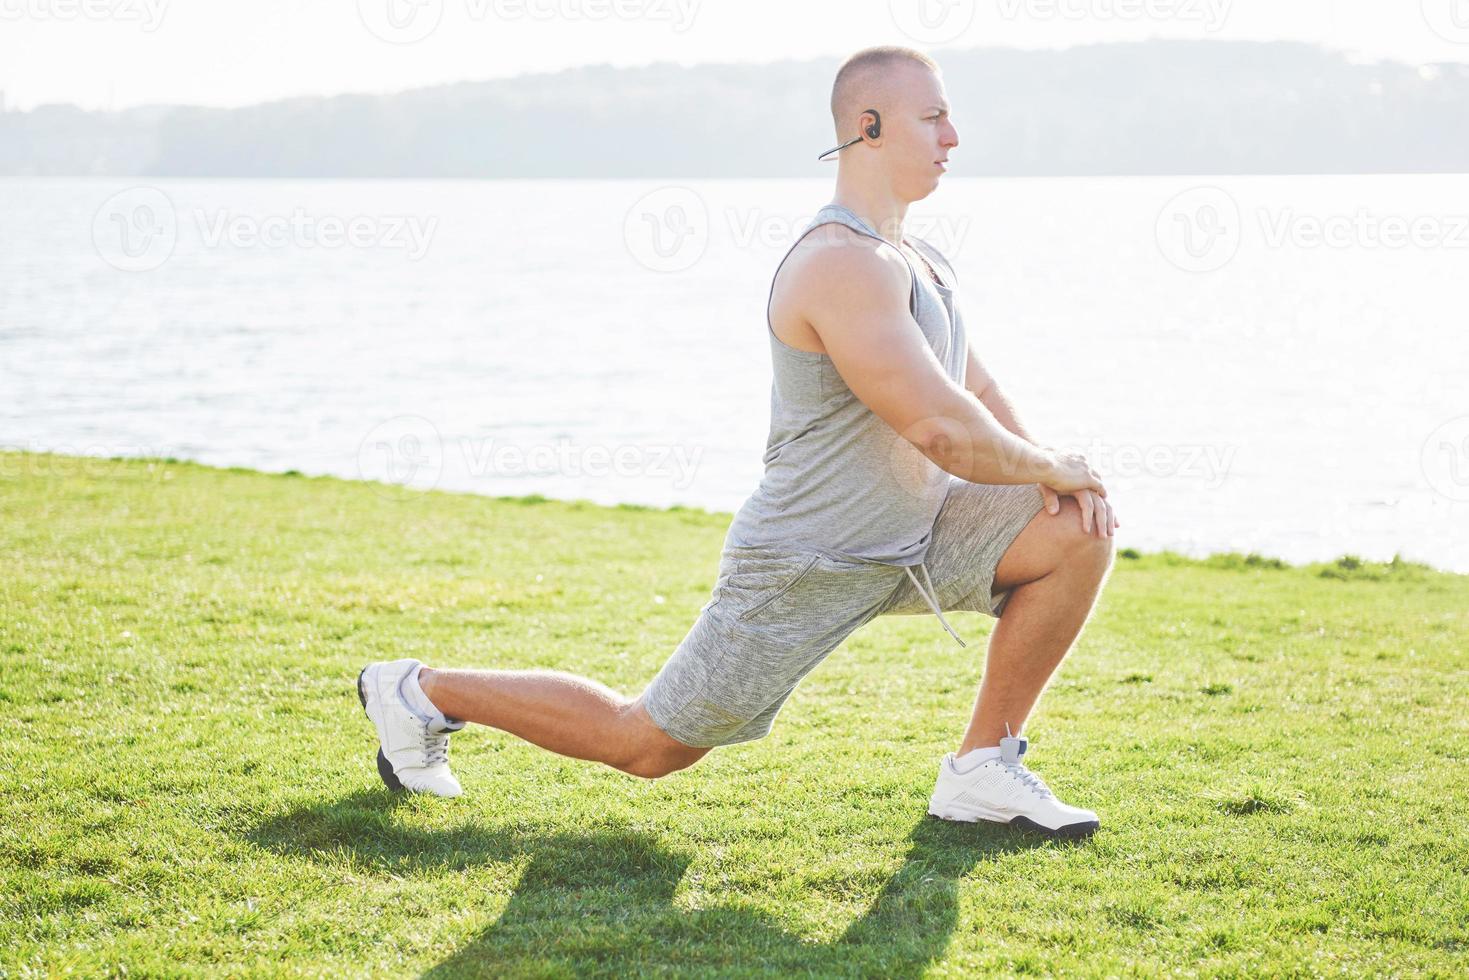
1097,515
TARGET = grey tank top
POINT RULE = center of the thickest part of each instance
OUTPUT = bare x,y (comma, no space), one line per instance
838,479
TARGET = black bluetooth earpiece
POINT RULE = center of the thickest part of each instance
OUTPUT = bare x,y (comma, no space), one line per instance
873,132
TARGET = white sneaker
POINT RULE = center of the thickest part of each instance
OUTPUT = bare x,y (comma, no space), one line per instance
413,749
1004,791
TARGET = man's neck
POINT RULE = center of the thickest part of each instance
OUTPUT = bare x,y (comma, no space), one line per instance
882,212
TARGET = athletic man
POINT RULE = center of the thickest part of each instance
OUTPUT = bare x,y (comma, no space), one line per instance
891,448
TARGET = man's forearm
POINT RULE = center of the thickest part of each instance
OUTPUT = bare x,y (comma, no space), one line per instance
969,441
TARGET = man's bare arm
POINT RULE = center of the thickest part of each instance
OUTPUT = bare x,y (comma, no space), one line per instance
856,299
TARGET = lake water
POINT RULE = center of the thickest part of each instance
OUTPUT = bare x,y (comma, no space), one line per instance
1256,364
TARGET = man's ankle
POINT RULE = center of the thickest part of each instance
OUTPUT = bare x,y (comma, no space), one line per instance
429,682
426,681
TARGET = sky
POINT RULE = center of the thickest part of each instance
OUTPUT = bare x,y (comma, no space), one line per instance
118,53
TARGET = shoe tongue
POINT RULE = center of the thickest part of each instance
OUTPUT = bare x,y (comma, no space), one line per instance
1011,749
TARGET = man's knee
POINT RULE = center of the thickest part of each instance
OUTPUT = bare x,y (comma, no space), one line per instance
1048,543
1103,548
1079,543
656,763
652,752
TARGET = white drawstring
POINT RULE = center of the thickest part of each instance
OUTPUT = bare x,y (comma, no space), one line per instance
931,600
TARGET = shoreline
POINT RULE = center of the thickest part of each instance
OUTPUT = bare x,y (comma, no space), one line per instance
1345,565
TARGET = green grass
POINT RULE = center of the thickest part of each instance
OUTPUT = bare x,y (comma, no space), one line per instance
1278,755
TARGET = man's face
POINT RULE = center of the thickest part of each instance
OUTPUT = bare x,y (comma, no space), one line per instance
920,133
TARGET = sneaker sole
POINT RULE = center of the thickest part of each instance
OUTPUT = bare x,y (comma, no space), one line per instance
384,767
1072,830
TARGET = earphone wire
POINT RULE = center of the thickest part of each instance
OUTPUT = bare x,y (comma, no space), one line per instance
838,148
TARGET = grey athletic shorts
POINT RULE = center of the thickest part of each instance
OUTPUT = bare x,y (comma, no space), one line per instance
774,614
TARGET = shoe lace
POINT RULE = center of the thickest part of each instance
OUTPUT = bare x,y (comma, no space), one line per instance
435,748
1028,779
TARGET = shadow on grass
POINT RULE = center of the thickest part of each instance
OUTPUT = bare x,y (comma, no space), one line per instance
602,901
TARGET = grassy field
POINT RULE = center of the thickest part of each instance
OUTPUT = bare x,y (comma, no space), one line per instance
1277,753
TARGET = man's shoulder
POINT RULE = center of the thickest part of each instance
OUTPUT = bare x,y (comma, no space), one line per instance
834,255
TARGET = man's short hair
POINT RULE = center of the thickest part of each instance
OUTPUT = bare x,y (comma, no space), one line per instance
870,59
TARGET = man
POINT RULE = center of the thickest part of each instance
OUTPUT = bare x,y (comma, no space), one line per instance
890,448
